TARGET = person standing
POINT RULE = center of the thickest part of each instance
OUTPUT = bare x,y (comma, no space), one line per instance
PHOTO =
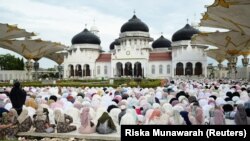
17,97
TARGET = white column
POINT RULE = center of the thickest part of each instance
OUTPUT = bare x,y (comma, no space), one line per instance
204,69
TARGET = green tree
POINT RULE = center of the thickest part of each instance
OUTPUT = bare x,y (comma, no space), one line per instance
10,62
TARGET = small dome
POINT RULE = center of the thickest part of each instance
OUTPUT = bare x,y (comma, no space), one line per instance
185,33
112,45
161,42
134,24
85,37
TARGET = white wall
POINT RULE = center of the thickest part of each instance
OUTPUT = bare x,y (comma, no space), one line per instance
102,74
157,74
81,54
12,74
183,52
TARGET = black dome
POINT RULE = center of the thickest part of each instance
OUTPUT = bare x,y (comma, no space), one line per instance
134,24
185,33
85,37
112,45
161,43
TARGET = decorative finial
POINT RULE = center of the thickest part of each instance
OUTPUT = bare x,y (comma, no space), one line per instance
134,12
85,25
187,20
161,33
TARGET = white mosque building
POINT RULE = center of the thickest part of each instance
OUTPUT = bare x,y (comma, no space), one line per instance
133,55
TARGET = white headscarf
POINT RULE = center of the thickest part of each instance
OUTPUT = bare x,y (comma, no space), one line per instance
40,115
24,115
59,116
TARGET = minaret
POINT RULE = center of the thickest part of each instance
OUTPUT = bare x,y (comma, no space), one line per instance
94,29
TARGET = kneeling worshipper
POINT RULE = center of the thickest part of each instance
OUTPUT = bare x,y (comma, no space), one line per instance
41,122
241,115
8,126
63,122
105,124
87,126
24,121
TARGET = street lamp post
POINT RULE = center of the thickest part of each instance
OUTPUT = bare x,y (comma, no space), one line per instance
211,69
60,68
36,67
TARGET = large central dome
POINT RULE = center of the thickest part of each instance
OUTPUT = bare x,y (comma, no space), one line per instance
134,24
185,33
85,37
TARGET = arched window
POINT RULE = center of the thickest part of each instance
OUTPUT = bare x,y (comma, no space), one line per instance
168,69
179,69
160,69
98,70
153,69
198,68
105,70
189,69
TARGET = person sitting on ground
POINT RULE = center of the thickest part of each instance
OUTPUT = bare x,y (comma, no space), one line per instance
241,115
41,122
105,124
9,120
63,122
24,121
87,126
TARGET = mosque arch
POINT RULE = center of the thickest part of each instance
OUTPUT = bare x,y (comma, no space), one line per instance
71,70
137,69
78,70
128,69
179,69
86,70
153,69
160,69
119,69
198,68
168,69
98,70
189,69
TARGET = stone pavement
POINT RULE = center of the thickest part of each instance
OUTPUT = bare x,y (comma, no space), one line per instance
74,134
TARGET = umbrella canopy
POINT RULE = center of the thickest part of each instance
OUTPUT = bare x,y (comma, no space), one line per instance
58,57
228,14
12,31
233,43
217,54
32,49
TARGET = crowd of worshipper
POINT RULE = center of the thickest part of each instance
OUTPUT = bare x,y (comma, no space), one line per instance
102,110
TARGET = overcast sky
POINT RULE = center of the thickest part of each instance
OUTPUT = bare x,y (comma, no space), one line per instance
60,20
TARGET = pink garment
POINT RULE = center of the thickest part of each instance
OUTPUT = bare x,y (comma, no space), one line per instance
155,114
56,105
86,127
118,97
219,117
199,116
78,105
148,115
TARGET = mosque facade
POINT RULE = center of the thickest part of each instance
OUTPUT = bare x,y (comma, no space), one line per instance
135,54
